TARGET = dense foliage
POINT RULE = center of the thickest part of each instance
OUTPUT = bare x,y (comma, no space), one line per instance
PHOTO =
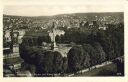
92,47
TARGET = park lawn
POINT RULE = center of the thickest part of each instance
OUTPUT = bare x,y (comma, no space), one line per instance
108,70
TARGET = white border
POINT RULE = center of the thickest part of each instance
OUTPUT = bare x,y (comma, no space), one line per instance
64,79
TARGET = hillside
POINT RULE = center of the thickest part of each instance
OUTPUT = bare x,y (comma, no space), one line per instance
61,19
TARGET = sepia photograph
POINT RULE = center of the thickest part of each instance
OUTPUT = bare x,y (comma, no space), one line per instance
63,41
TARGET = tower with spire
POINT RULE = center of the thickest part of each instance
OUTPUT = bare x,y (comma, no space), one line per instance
53,46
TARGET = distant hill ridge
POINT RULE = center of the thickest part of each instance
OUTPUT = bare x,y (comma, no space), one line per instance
41,20
118,14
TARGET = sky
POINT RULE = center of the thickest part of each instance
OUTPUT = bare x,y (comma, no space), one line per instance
51,8
58,1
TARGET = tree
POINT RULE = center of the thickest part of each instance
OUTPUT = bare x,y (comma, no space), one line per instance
58,62
30,67
104,38
112,40
75,58
39,67
45,63
92,53
65,64
29,54
86,60
49,62
100,52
